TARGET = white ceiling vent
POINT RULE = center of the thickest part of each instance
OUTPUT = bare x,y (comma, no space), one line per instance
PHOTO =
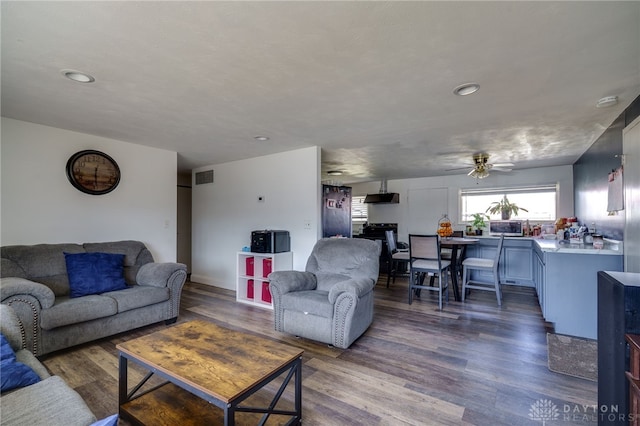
204,177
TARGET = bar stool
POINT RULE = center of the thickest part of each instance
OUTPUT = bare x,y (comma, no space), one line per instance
482,264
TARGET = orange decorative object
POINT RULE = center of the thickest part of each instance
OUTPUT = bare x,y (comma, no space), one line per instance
444,227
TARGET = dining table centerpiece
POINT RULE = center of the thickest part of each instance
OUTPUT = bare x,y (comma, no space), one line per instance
444,227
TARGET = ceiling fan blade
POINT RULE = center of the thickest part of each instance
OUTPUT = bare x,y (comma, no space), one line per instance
460,168
503,164
471,172
500,169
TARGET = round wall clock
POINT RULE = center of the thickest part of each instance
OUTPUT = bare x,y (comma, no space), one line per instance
93,172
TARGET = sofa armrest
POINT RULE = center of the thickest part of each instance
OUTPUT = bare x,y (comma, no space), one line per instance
357,287
11,328
166,274
12,287
288,281
161,274
27,299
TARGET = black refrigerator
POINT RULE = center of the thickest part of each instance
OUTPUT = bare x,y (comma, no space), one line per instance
618,314
336,211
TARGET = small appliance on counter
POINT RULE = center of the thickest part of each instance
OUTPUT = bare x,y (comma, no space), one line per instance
270,241
510,228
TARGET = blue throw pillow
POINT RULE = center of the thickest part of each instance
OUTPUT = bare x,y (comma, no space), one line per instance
94,273
108,421
13,374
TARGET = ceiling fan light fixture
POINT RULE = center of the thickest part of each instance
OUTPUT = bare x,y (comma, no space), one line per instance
466,89
478,173
607,102
78,76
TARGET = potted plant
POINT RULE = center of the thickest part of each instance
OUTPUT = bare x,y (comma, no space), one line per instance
478,222
505,207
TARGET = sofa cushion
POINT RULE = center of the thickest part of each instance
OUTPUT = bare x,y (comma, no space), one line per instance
14,374
49,402
138,296
68,310
313,302
94,273
326,280
135,253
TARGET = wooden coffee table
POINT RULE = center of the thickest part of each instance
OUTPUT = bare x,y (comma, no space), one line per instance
204,365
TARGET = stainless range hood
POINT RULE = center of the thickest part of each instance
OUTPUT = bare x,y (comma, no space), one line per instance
383,197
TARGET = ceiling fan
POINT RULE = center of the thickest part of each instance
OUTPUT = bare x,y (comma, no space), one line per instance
481,166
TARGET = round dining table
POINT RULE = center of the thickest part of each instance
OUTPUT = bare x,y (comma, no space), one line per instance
455,244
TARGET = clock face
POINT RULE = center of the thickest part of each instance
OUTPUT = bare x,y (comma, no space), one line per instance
93,172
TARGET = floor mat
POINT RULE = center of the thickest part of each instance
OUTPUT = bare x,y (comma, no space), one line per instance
573,356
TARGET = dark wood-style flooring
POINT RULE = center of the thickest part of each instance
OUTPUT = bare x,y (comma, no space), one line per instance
471,364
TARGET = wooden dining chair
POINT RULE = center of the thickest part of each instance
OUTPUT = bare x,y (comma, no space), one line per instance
424,258
483,264
395,258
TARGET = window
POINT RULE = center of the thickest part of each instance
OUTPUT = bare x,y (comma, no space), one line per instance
540,201
359,210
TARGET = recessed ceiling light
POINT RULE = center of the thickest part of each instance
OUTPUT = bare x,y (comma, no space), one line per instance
78,76
261,138
466,89
334,172
607,101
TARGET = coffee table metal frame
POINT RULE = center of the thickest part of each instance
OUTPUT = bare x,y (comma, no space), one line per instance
293,368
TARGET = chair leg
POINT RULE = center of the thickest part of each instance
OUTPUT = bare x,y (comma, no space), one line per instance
498,295
446,287
440,290
464,282
389,269
410,286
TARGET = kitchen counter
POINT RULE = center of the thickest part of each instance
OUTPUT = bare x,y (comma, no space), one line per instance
611,247
563,274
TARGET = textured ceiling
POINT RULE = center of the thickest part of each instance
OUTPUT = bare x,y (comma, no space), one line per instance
369,82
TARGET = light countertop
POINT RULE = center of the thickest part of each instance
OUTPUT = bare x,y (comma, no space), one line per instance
611,247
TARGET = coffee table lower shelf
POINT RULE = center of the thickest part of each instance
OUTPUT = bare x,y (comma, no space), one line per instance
170,405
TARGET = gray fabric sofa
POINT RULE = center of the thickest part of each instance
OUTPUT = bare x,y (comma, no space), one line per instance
332,300
35,284
48,402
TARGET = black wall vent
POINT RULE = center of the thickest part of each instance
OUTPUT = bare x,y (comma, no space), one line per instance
204,177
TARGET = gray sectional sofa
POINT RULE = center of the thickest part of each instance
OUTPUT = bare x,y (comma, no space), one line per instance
48,402
35,283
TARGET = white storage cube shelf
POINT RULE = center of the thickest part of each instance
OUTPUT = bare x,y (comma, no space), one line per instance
252,284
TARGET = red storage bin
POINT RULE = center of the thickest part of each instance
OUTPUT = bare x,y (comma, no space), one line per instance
249,262
249,289
267,265
266,294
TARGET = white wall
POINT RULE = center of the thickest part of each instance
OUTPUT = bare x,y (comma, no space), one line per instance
227,210
399,213
39,205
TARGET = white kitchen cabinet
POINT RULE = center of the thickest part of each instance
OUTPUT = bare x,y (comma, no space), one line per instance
252,284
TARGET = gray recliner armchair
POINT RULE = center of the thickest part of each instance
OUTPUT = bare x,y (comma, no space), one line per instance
332,300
